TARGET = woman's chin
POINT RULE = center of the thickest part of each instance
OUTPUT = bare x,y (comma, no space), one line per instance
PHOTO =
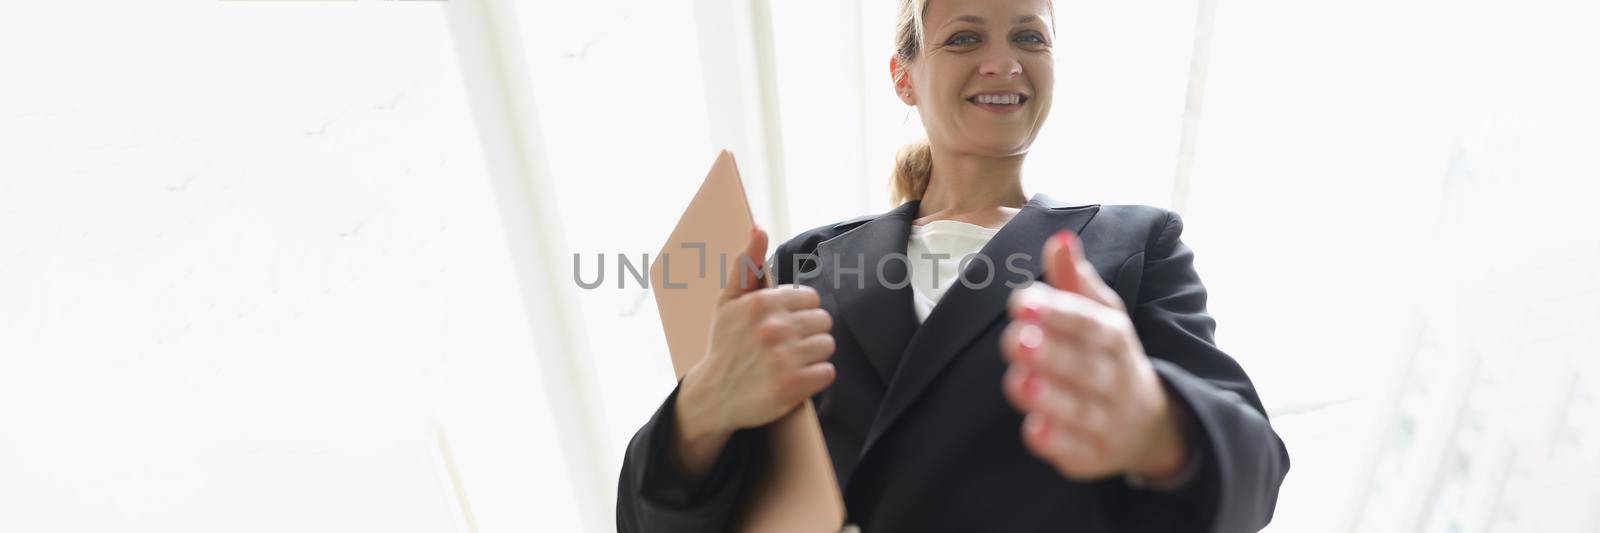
1009,148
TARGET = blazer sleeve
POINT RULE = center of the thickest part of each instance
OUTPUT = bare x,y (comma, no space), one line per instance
1243,461
655,495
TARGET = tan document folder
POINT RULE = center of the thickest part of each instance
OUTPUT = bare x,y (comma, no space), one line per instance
798,491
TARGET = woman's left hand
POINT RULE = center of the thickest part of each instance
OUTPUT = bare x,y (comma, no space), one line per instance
1093,404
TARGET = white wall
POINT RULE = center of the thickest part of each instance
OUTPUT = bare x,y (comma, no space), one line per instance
249,266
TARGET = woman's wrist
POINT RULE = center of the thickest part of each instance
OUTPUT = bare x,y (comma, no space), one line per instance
699,439
1169,453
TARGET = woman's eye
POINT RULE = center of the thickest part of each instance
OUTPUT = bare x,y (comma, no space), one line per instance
961,40
1031,38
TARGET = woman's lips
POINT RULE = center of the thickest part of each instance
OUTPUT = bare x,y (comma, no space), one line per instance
1000,108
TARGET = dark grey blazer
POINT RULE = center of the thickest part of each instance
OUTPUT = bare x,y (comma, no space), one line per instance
921,437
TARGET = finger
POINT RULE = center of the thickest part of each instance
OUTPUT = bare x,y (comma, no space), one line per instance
1022,341
1064,406
793,297
1027,384
1020,385
746,274
814,349
811,321
811,379
1091,279
1060,271
1060,362
1068,314
1088,373
1066,263
1070,452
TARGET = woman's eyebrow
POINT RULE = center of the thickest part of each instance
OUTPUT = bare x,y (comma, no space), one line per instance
1024,19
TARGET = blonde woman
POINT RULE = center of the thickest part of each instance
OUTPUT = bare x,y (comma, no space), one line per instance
955,395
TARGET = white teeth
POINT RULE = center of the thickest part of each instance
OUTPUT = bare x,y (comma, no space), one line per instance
1009,99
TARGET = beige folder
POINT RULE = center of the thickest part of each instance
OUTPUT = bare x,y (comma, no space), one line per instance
797,491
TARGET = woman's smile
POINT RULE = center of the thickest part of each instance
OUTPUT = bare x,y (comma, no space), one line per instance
999,103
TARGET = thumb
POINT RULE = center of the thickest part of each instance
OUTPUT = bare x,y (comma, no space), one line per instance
1061,263
745,273
1068,270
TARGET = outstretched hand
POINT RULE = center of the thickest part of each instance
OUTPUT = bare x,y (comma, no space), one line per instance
1093,405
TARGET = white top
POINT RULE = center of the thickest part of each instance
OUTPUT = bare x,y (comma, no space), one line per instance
934,252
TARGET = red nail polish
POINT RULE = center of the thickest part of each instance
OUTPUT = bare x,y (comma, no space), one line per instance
1069,241
1041,428
1030,387
1030,311
1030,339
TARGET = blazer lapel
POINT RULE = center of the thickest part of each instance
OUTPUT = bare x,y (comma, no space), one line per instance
880,315
964,312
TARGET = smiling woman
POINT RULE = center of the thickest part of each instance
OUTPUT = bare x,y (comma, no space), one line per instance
1095,399
1016,83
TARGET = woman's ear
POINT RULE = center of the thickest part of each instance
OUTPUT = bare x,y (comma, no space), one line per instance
901,77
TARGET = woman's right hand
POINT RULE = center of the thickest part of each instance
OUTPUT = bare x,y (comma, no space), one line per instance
769,351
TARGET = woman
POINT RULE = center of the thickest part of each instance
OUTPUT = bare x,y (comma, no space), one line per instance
951,397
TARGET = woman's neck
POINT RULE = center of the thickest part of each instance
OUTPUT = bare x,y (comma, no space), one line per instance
977,190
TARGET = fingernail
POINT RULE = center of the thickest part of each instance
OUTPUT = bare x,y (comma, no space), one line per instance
1069,241
1030,339
1041,427
1030,311
1030,387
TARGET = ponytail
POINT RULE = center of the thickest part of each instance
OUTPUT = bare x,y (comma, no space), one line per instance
913,167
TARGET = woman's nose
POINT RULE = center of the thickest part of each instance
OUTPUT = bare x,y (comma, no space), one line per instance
1000,65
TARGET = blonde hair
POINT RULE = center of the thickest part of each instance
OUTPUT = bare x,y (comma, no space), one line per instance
913,164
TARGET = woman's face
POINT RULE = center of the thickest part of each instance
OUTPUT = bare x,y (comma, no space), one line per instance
974,50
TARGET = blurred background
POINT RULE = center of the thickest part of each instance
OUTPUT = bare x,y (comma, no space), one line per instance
308,265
